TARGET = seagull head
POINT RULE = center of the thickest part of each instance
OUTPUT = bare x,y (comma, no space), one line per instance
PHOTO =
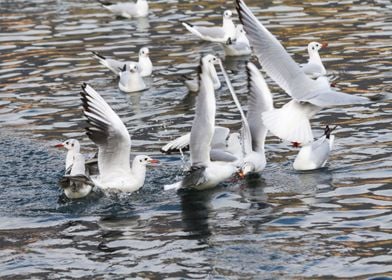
145,160
227,14
246,168
316,46
208,61
144,52
133,68
70,145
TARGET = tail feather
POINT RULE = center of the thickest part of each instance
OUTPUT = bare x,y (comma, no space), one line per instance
191,29
289,123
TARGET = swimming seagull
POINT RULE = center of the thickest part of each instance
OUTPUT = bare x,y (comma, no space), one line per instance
73,148
315,68
214,33
309,96
130,78
77,184
204,173
315,154
239,45
109,133
127,10
193,84
144,63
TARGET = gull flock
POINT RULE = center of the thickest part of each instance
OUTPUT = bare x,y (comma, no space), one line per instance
216,153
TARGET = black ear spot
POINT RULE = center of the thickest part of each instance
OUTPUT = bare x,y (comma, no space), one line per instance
72,144
312,48
141,160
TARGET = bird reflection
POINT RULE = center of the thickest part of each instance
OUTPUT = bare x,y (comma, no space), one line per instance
195,213
142,24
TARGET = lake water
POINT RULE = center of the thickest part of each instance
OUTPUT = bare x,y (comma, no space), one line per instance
331,223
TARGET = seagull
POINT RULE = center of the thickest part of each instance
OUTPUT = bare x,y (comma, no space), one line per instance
204,173
315,154
309,96
314,68
193,84
130,78
73,148
144,63
253,130
214,33
127,10
77,184
109,133
240,45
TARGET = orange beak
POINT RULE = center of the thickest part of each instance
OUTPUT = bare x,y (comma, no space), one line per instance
59,145
153,161
241,174
324,45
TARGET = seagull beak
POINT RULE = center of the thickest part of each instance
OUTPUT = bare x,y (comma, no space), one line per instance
333,84
324,45
241,174
153,161
296,144
59,145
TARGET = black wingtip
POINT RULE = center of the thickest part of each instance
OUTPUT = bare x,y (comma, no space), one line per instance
187,23
239,9
98,55
105,3
248,74
199,70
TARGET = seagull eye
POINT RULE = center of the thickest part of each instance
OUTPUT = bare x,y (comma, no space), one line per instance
67,143
145,159
312,48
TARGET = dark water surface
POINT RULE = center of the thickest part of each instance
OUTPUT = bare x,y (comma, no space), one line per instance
331,223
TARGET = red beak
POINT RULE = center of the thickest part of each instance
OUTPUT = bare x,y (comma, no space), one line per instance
333,84
153,161
296,144
324,45
59,145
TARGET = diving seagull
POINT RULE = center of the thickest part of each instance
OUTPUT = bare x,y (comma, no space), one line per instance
253,132
127,10
144,63
315,154
109,133
309,96
214,33
204,173
130,78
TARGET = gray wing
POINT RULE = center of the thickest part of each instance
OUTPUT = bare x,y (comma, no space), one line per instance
259,101
272,56
107,131
333,98
219,140
75,181
204,122
220,155
211,32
